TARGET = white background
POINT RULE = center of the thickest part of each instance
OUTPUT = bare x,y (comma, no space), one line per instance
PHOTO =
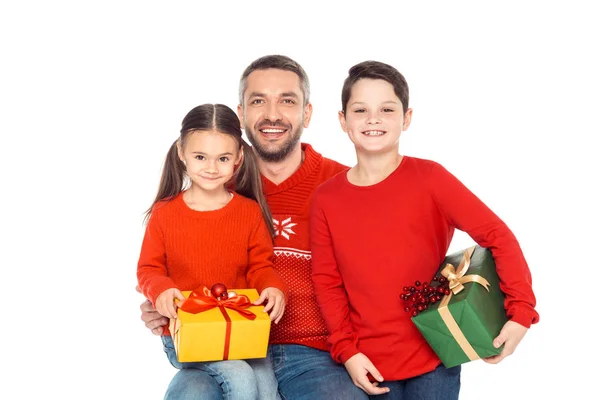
505,95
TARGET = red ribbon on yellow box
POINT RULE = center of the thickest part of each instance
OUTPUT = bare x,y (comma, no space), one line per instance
201,300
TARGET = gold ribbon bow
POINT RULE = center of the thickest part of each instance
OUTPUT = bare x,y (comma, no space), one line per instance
456,279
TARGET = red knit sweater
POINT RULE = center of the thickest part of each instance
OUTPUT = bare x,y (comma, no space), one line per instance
369,242
289,201
186,249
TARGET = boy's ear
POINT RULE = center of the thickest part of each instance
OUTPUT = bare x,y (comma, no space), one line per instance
342,118
407,119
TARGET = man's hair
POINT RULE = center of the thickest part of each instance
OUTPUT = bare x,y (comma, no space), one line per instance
375,70
277,62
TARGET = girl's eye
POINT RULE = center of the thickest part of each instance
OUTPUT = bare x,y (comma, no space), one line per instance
199,157
224,159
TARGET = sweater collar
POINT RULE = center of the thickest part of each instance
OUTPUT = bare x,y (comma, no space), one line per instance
312,160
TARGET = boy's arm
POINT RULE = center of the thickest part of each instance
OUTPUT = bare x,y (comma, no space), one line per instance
467,212
329,288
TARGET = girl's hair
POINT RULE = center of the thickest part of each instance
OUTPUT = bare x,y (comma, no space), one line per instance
245,181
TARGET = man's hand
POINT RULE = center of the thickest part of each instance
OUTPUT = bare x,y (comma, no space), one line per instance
152,319
511,335
275,304
358,366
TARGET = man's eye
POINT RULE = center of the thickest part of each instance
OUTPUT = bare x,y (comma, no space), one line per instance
256,101
289,101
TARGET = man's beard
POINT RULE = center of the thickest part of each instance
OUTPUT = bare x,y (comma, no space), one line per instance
274,155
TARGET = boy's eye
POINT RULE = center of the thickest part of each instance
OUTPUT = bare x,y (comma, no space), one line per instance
388,110
359,110
224,159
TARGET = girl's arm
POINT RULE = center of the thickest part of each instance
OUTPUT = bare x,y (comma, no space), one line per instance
152,267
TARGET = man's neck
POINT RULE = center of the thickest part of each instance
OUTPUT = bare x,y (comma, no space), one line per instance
278,172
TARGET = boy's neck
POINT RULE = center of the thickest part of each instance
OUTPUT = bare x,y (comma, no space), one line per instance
372,169
279,171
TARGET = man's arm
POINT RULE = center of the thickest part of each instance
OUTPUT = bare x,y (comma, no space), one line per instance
152,319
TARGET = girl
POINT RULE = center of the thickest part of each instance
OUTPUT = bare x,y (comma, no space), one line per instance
202,233
389,220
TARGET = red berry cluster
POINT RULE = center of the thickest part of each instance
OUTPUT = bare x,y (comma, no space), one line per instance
423,294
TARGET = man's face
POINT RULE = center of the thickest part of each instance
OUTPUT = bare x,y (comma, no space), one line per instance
273,113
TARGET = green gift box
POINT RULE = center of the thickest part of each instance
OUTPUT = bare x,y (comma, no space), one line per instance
462,326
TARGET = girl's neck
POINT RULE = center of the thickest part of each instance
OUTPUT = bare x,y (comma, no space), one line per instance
202,200
373,168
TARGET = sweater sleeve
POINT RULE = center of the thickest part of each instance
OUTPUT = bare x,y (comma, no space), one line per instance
468,213
152,273
260,273
329,287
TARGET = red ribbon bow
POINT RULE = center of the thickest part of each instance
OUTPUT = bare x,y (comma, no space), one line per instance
200,301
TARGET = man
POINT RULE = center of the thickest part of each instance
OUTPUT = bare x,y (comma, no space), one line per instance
274,109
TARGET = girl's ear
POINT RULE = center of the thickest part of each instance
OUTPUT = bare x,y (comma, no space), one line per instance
240,158
180,152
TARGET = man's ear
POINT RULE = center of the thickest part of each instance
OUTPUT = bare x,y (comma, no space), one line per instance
240,113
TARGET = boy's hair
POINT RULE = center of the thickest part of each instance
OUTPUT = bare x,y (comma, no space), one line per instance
277,62
245,181
375,70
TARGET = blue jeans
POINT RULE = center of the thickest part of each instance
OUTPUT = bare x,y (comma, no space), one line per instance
214,380
306,373
440,384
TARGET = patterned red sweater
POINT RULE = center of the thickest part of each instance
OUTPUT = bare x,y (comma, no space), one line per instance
289,201
370,241
186,249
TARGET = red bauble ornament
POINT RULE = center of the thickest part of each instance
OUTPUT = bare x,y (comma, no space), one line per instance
219,291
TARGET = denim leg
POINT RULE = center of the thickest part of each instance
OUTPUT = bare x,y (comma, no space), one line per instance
304,373
440,384
193,384
231,379
265,378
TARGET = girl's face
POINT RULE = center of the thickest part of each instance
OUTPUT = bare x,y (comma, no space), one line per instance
210,158
374,117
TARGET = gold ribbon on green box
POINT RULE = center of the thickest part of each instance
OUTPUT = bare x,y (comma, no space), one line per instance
456,278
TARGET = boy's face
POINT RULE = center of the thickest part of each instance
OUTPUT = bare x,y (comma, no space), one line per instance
374,117
273,113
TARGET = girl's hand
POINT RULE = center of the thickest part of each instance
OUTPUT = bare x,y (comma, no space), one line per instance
511,335
358,366
275,304
165,302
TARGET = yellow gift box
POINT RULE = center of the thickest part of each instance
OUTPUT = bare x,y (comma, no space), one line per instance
209,336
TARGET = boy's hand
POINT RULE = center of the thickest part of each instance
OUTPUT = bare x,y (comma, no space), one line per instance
165,303
358,366
275,304
511,335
